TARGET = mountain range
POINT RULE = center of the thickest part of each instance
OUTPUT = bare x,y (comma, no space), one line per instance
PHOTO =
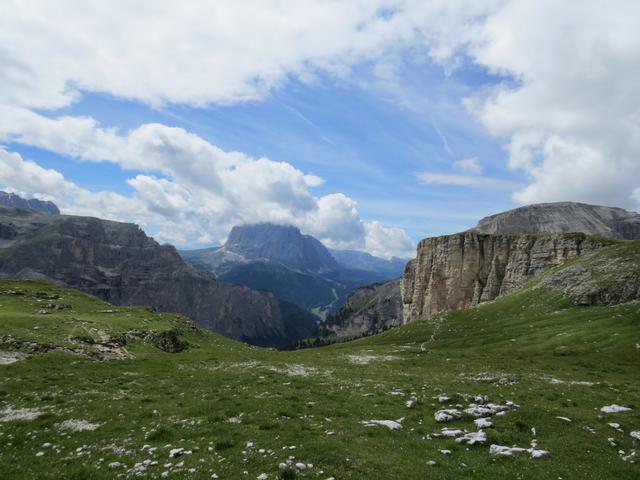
271,285
294,267
12,200
119,263
497,256
498,356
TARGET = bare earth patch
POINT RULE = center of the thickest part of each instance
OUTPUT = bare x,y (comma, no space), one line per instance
365,359
11,357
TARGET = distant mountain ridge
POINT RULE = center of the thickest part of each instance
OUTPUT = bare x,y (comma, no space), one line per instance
280,244
357,260
119,263
295,267
12,200
563,217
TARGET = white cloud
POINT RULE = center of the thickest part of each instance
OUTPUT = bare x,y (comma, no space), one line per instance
202,191
568,114
571,120
381,241
27,177
472,181
159,51
468,165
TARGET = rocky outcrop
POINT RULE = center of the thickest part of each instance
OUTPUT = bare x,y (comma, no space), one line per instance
280,244
607,276
466,269
119,263
368,309
12,200
608,222
296,268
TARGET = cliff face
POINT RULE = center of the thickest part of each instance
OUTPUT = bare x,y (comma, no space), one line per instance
463,270
368,309
119,263
609,222
280,244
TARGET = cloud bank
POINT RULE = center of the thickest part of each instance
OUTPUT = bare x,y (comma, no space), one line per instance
192,190
565,104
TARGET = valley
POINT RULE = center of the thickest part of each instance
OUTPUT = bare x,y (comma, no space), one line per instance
494,356
221,409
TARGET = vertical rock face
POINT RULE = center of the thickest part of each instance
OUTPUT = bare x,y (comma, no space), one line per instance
463,270
281,244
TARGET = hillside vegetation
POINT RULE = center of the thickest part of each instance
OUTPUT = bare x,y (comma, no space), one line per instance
88,390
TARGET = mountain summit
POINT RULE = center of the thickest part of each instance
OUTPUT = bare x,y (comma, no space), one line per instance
562,217
12,200
280,244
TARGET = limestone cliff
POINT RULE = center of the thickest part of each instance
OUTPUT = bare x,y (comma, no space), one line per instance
465,269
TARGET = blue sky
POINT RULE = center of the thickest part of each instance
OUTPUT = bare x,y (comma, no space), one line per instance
356,134
387,122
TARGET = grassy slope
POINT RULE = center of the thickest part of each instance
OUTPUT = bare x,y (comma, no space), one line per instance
508,349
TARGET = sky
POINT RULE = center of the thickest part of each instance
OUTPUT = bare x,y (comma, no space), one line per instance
370,124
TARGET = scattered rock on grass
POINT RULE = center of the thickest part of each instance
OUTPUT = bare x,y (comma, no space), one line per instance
447,415
510,451
10,414
78,425
613,408
390,424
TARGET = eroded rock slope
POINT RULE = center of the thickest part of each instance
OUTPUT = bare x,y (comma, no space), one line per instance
463,270
119,263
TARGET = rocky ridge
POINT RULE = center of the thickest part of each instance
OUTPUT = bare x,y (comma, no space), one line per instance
560,217
12,200
283,244
119,263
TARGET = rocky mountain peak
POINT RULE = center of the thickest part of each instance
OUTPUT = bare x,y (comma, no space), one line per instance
283,244
562,217
12,200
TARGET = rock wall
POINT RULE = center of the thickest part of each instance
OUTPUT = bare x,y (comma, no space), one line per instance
466,269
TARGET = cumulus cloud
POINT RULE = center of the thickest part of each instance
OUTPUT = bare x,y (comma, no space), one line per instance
191,191
567,111
159,51
571,118
29,178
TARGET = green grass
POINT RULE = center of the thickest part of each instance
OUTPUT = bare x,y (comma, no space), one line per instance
510,349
